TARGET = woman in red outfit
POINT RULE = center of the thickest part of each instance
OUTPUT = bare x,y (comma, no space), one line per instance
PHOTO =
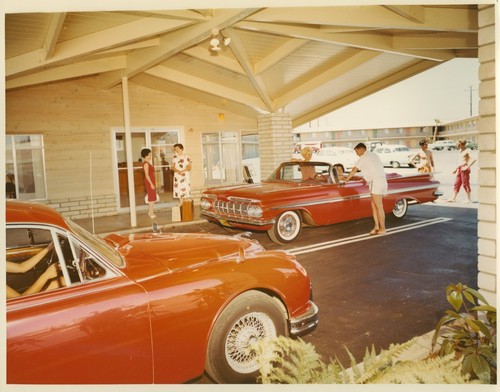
149,179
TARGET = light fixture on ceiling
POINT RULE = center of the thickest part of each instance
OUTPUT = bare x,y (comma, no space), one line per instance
218,41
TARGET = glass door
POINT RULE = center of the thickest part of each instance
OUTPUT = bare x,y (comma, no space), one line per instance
161,142
162,145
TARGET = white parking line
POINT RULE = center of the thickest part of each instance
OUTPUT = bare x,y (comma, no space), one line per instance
364,237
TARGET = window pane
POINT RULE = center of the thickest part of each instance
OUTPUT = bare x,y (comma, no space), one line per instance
10,177
221,158
24,167
138,143
31,175
165,138
28,141
210,138
232,166
212,162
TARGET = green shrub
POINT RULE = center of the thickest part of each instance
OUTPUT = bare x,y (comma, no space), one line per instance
466,354
469,332
288,361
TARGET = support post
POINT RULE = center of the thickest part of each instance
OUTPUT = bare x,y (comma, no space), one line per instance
130,158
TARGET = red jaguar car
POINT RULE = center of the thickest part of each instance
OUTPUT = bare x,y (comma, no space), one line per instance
289,199
142,308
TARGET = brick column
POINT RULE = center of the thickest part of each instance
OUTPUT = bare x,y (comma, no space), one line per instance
487,211
275,141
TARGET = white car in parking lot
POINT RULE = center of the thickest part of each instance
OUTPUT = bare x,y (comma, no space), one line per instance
343,155
394,155
443,144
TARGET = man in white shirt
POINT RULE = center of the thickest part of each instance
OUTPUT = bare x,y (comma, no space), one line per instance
373,171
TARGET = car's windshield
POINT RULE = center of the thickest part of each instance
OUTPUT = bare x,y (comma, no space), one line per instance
96,244
303,172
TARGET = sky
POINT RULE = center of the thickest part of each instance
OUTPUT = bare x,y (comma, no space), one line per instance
442,93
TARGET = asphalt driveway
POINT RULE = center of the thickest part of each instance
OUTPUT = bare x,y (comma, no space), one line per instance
378,290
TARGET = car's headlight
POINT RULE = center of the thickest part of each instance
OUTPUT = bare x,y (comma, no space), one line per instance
205,204
254,211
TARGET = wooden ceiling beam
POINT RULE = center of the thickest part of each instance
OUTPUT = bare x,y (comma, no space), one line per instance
222,61
55,27
91,43
414,13
441,41
279,54
163,72
239,51
177,41
345,66
381,17
377,42
81,69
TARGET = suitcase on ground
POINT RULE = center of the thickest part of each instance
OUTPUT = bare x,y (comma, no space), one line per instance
187,210
176,214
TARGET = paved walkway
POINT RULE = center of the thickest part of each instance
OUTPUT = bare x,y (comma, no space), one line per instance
120,223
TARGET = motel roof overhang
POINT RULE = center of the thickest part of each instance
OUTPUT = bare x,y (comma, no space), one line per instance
305,61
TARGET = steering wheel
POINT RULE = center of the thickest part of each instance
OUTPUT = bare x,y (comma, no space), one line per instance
51,254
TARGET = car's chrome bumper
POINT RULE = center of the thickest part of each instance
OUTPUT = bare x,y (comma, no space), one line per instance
306,322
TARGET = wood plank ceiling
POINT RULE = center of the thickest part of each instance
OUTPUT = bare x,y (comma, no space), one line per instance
306,61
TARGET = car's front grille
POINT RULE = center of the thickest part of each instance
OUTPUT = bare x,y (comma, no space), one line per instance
231,208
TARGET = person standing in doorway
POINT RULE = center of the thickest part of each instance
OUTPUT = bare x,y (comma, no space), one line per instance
463,172
181,165
10,186
373,171
149,180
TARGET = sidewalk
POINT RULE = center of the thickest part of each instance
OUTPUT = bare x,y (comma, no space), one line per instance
120,223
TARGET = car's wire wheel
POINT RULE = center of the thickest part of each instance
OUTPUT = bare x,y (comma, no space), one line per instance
250,317
247,330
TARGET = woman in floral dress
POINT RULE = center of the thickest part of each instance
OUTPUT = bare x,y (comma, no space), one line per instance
181,165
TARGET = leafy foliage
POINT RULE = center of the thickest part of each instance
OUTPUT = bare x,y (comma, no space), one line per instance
469,332
466,354
288,361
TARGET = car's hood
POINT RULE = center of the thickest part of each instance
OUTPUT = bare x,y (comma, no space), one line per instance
255,191
157,253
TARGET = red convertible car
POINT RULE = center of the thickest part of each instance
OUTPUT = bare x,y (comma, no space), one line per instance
308,194
142,308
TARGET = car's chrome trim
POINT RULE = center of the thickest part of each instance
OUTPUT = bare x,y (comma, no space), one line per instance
305,322
415,188
242,199
302,204
244,219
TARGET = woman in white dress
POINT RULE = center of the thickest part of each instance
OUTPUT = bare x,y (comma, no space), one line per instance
181,165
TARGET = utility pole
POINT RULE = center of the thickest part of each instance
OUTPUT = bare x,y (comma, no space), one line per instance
470,99
437,121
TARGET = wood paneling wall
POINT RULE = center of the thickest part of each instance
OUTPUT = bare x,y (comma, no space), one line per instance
76,117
